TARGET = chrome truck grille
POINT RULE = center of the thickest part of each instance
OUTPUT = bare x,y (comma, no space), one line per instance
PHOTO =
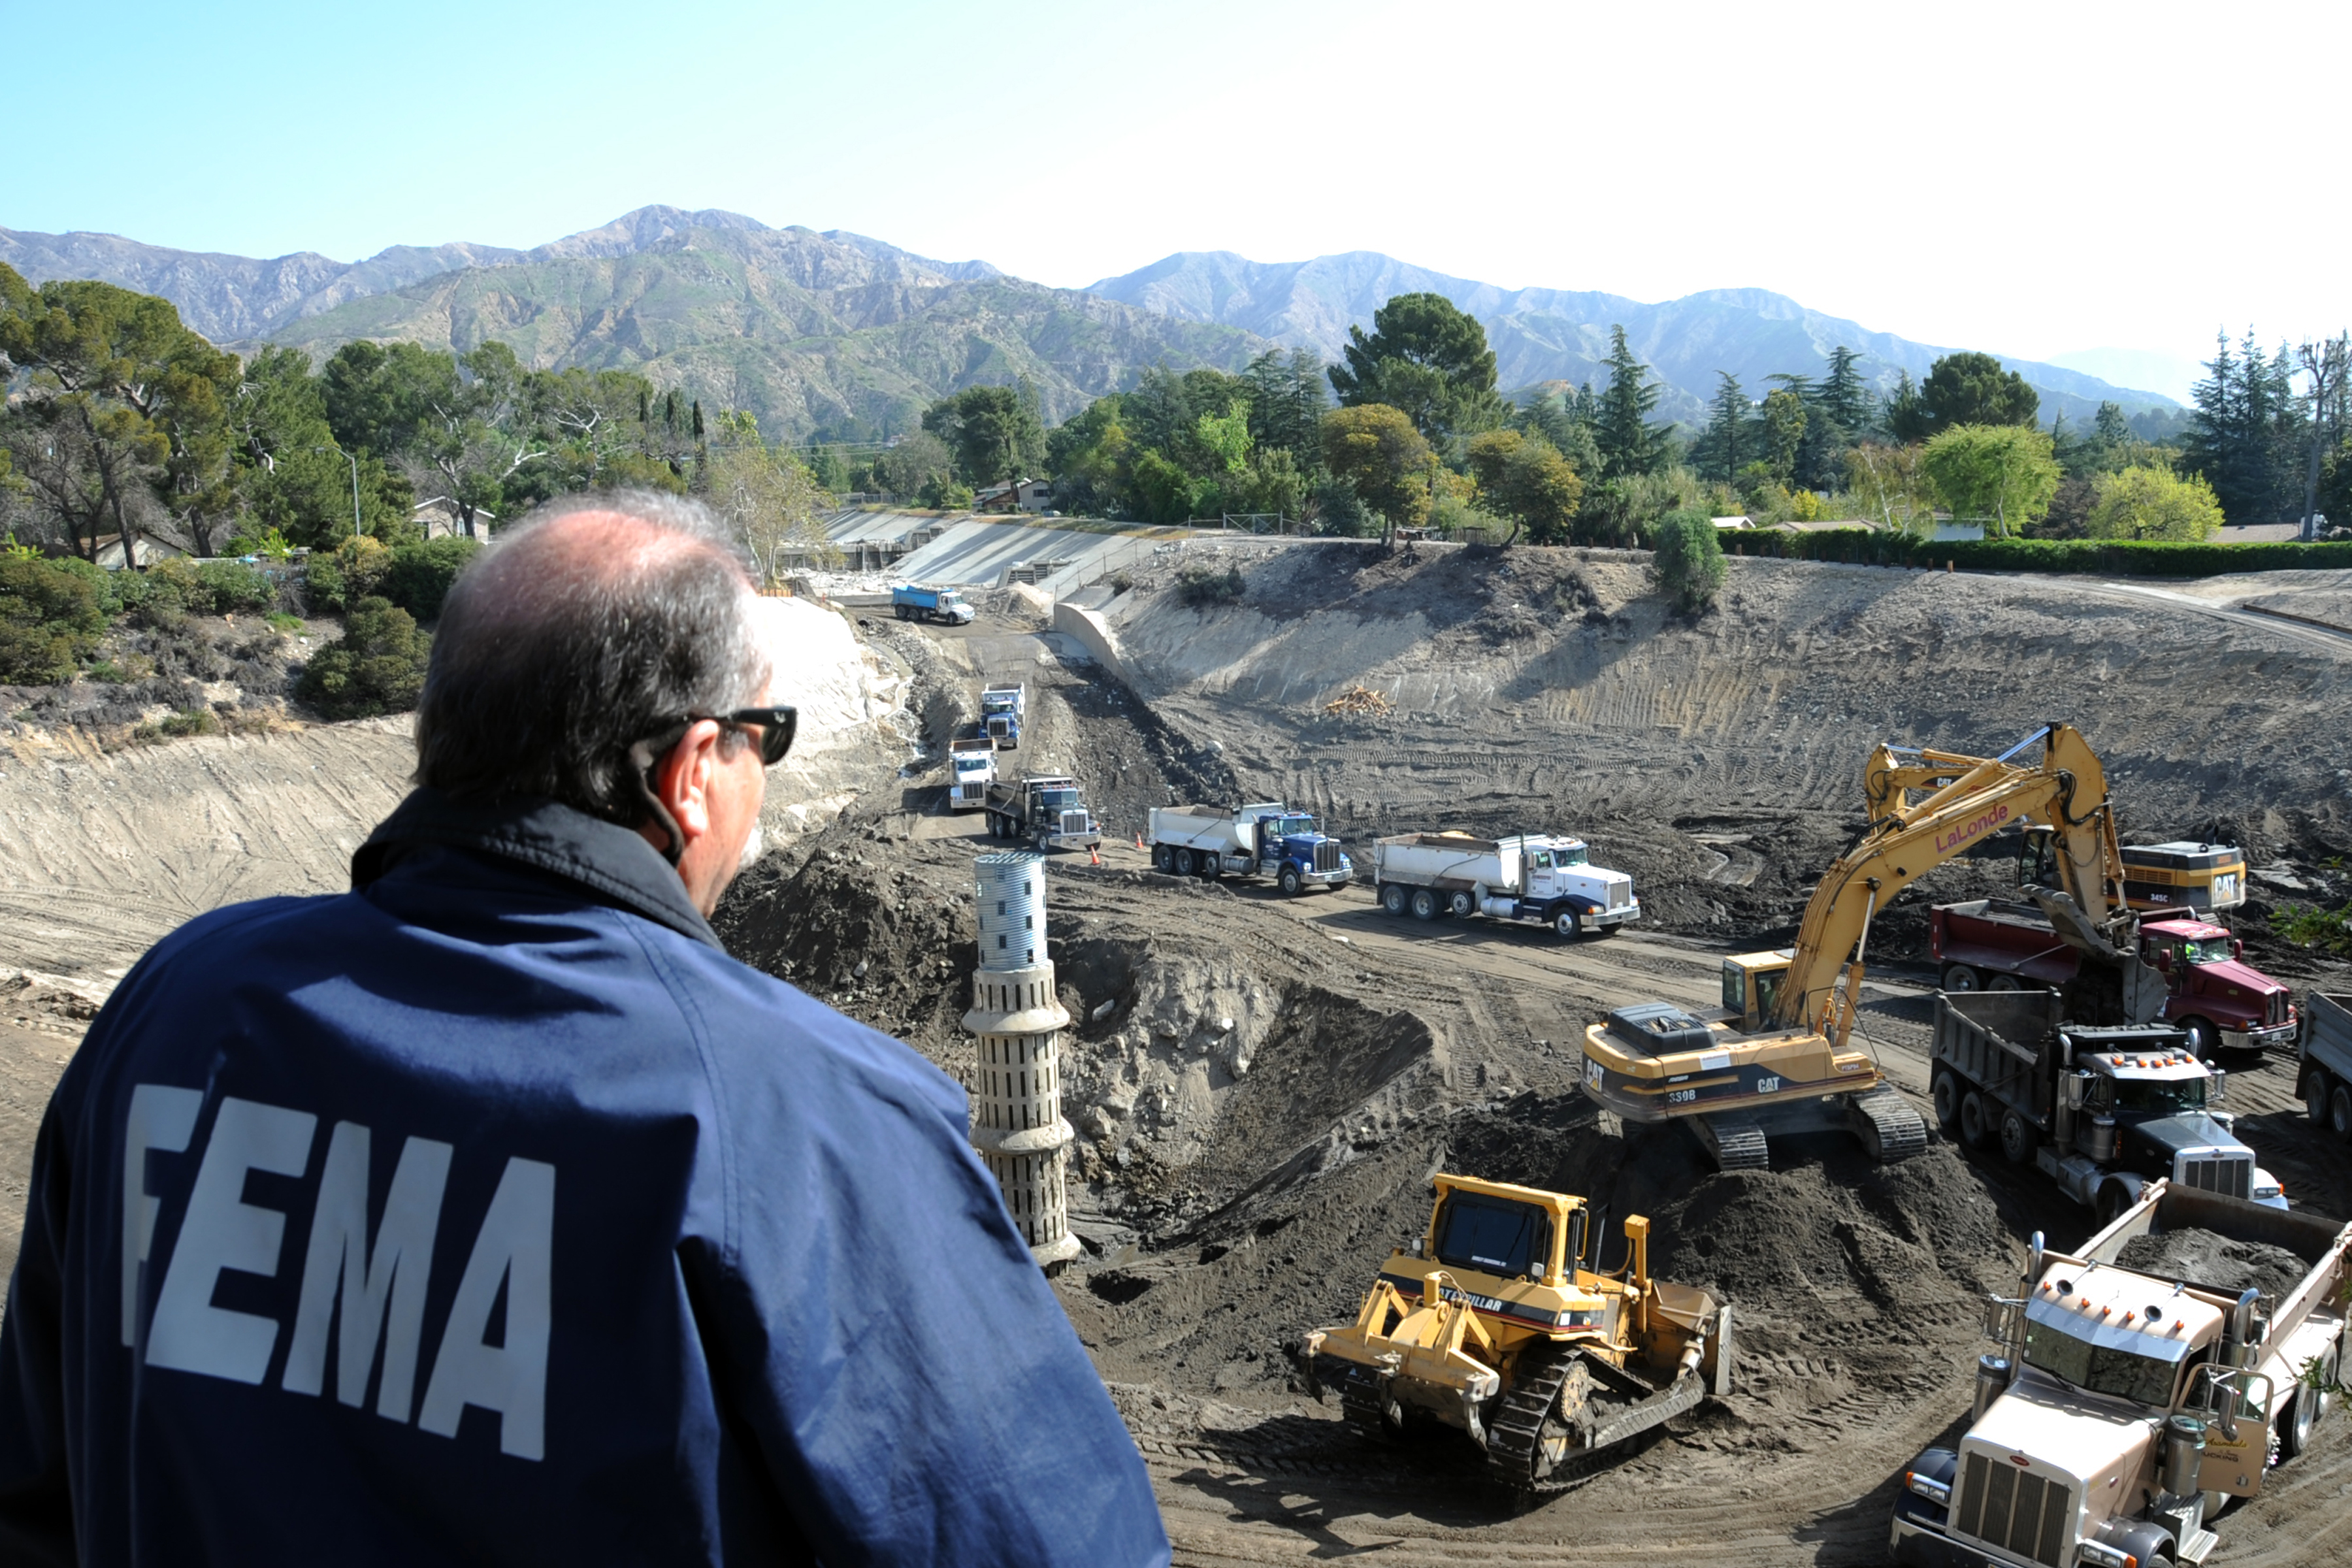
2232,1176
1621,893
1075,821
2278,1006
2021,1512
1326,856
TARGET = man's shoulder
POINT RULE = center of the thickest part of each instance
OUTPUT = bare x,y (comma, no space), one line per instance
760,1026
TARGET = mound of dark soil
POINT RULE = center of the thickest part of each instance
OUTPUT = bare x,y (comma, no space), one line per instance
2196,1257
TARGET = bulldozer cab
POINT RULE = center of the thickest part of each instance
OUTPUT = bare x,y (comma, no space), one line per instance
1751,986
1510,1232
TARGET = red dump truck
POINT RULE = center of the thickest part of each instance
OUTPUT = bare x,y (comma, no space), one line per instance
1988,944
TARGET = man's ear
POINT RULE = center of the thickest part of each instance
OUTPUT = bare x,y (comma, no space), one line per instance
682,780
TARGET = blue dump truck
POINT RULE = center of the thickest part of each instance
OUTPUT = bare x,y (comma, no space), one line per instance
1002,709
1262,840
942,604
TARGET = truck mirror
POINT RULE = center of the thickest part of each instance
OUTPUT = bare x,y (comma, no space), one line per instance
2237,947
2220,1088
2164,959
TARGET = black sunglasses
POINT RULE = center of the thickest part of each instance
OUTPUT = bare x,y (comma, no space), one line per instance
776,726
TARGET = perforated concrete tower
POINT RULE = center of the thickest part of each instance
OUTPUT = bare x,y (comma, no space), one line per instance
1016,1101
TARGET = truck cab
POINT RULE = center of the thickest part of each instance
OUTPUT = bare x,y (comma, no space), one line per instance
1002,709
1297,855
2145,1099
972,767
2217,996
1046,809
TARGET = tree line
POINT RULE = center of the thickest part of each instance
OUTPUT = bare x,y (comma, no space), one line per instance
123,423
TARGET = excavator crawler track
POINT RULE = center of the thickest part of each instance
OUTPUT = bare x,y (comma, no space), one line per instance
1735,1142
1894,1130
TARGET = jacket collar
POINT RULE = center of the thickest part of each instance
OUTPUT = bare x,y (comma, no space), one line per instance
610,862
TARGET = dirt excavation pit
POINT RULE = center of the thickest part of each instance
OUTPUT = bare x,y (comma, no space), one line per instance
1262,1087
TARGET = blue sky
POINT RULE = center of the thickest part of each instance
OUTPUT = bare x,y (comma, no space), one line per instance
2032,178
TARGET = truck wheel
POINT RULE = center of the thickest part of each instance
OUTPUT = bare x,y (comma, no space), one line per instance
1393,898
1162,857
2004,982
2340,1113
2315,1096
1960,977
2294,1427
1289,881
1946,1093
1976,1121
1184,862
1424,904
1567,925
2017,1138
1212,865
1460,905
2203,1038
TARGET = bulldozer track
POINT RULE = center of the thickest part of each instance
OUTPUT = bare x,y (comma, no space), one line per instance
1517,1430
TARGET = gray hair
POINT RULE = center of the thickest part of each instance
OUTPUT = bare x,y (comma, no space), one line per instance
597,622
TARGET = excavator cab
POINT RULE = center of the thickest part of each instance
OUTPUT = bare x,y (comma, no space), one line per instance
2037,857
1752,988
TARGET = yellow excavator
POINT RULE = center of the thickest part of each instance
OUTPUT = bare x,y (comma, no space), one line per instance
1496,1322
1776,1059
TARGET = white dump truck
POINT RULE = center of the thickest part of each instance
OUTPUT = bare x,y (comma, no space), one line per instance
1540,878
1263,840
972,766
2130,1400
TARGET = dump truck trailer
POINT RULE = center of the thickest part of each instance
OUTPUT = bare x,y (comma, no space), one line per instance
2324,1065
2102,1111
1533,878
2126,1407
2214,996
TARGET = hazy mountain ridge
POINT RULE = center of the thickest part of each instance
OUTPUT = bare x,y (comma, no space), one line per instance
808,331
1557,335
234,299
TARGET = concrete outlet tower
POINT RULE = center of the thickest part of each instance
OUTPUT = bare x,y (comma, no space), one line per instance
1016,1099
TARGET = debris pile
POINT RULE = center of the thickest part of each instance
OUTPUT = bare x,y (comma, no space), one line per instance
1358,701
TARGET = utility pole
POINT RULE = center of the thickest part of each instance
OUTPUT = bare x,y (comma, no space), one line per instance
352,460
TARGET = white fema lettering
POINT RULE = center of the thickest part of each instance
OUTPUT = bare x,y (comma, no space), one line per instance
381,1289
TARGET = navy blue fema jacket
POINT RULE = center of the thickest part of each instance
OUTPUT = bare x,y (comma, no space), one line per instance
489,1213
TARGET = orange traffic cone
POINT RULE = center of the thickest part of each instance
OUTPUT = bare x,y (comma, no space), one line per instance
1095,854
1139,841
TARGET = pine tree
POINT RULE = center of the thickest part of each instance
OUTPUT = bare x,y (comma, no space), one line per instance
1726,443
1628,444
2247,431
1843,398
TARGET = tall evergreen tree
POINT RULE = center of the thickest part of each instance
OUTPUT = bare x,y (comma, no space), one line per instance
1843,397
1726,442
1629,442
2247,432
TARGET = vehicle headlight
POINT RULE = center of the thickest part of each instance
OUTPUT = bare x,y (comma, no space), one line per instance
2106,1556
1928,1487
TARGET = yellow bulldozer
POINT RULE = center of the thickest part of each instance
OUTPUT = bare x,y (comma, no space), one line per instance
1776,1058
1498,1323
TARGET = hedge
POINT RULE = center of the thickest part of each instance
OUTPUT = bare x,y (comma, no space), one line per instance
2107,557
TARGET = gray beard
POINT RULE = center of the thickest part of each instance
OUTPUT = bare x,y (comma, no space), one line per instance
751,848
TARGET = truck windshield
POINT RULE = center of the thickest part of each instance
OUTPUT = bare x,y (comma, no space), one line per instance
2211,949
1288,827
1058,798
1566,858
970,764
1494,1235
2143,1380
2161,1097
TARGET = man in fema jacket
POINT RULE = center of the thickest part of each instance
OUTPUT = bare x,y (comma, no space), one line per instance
489,1212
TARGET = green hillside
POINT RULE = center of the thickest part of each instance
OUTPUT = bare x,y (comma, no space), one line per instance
811,331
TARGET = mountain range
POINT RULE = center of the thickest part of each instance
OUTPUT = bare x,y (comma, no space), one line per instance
1551,335
836,333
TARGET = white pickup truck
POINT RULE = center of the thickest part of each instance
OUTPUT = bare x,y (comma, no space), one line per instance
1540,878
